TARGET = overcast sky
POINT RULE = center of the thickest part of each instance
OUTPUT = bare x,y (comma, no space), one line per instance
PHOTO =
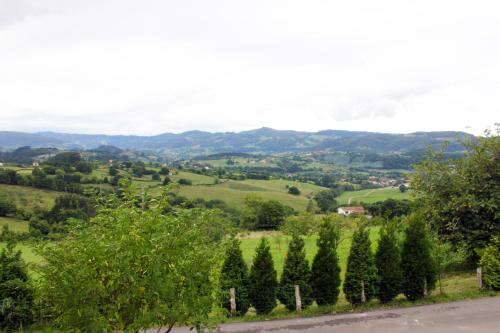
147,67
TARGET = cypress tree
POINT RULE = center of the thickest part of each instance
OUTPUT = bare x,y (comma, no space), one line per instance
388,260
416,261
361,269
234,274
325,272
263,280
295,272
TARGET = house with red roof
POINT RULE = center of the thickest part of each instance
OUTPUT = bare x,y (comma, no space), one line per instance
347,211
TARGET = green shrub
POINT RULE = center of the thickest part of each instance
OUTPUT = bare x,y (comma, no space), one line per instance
184,181
388,260
7,206
325,271
490,264
263,280
234,274
294,190
295,272
361,269
16,294
417,265
144,268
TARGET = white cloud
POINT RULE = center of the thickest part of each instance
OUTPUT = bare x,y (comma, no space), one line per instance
144,67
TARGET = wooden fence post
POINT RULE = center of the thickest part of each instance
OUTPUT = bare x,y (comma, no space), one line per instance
479,273
363,296
232,293
298,301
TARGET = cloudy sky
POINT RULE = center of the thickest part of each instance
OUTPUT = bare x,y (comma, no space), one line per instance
147,67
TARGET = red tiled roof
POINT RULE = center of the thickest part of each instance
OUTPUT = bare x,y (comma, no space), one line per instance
354,209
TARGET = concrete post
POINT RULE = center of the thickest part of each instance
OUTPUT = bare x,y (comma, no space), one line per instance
479,273
363,296
232,293
298,301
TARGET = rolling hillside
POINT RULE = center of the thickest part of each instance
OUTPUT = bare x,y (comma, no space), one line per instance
263,140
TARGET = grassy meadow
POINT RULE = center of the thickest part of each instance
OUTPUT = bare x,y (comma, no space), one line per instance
15,225
279,245
372,195
29,197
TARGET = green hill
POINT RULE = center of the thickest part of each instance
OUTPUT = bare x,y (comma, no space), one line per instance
29,197
371,196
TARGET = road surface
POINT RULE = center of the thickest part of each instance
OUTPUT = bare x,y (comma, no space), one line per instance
482,315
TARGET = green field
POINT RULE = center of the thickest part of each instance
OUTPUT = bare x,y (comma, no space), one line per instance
27,251
15,225
371,196
29,197
279,245
242,162
234,192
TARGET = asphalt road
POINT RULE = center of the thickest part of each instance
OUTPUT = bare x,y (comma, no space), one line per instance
482,315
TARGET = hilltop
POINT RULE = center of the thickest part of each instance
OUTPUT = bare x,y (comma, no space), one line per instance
264,140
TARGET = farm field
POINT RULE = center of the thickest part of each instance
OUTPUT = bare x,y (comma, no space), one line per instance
279,244
240,161
234,192
30,197
15,225
371,196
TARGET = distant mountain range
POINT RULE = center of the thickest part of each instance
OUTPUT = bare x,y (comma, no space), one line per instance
263,140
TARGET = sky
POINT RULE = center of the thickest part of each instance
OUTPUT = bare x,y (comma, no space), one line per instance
148,67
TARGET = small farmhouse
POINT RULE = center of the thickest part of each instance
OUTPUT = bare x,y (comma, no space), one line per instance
346,211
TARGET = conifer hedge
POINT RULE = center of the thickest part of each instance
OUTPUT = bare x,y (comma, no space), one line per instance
295,272
263,280
388,260
419,272
325,271
361,269
234,274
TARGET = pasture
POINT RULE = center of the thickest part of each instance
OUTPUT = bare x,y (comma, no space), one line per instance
372,195
279,246
29,197
14,225
233,192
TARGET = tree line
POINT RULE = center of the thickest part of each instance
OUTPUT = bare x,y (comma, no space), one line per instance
395,268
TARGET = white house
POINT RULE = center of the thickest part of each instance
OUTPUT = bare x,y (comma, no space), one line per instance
346,211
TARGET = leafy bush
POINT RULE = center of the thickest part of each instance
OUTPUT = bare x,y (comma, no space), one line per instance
263,280
460,197
129,269
295,272
7,206
16,294
294,190
260,214
490,263
184,181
